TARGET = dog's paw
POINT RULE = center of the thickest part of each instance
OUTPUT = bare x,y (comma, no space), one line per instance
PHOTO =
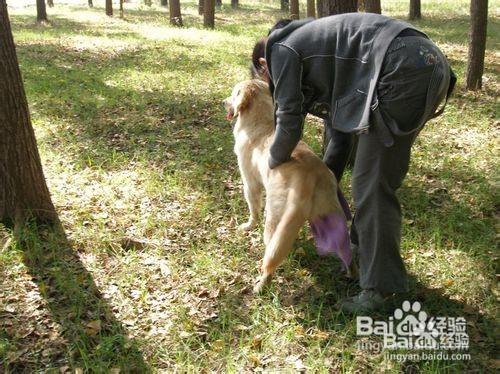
260,284
247,226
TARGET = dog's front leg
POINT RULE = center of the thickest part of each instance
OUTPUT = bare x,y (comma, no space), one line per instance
253,196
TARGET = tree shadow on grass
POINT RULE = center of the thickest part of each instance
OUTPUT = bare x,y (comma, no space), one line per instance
95,340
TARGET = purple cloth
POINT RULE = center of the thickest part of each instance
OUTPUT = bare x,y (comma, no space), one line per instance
344,204
331,236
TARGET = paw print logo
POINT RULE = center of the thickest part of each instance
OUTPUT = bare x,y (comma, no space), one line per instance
410,325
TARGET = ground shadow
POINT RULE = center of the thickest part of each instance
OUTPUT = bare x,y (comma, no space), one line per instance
94,339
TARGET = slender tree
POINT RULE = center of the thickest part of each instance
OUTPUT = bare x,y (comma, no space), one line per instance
148,2
50,3
329,7
175,13
285,4
41,11
164,2
234,4
294,9
373,6
121,8
23,190
109,7
311,8
218,3
201,6
91,4
415,12
477,45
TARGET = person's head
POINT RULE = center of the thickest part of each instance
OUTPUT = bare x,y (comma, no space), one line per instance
258,70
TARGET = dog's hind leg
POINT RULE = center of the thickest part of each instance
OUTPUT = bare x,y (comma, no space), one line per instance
280,244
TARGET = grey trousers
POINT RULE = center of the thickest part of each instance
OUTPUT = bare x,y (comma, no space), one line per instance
379,169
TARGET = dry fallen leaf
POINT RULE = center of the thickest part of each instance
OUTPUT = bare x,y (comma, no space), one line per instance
93,327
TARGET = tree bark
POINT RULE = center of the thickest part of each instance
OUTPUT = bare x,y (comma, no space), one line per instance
121,8
23,190
294,9
50,3
91,4
175,13
311,8
209,14
415,9
330,7
201,7
477,45
41,11
109,7
164,2
285,5
234,4
372,6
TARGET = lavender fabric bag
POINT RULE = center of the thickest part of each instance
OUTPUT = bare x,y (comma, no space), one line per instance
331,234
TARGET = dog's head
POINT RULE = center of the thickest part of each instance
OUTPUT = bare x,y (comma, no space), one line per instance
244,95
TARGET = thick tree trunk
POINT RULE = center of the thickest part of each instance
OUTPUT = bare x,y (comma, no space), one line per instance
201,7
234,4
477,45
91,4
41,11
415,9
329,7
175,13
23,190
372,6
311,8
209,14
294,9
285,5
164,2
109,7
50,3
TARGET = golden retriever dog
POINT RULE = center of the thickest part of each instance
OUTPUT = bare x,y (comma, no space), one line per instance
301,190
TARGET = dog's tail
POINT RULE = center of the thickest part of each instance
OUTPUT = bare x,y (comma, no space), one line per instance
331,236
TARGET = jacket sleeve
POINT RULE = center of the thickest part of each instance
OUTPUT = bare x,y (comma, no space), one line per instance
286,71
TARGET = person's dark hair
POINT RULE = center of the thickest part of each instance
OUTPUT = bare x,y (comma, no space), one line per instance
259,50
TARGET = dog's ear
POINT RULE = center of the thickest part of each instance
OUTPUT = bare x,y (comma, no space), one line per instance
244,98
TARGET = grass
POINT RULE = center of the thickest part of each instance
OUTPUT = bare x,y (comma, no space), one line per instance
151,274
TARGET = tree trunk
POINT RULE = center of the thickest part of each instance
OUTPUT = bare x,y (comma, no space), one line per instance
50,3
164,2
329,7
121,8
415,9
201,7
41,11
285,5
91,4
109,7
477,45
218,3
148,2
372,6
311,8
294,9
209,14
23,190
234,4
175,13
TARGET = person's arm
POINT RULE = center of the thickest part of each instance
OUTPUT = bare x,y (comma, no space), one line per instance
286,70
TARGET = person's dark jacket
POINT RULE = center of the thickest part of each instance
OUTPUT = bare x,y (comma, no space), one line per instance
328,67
